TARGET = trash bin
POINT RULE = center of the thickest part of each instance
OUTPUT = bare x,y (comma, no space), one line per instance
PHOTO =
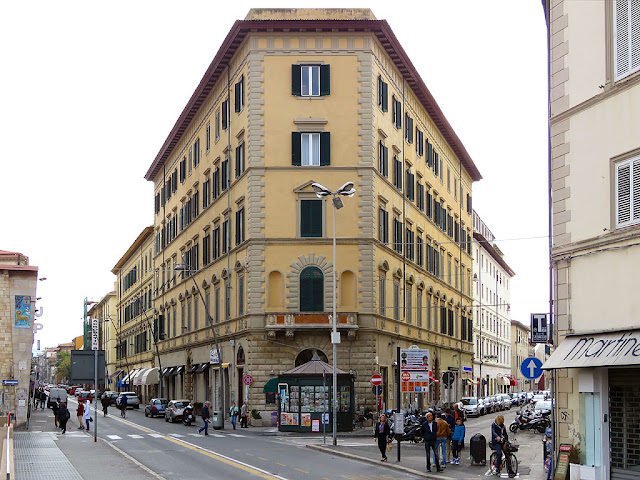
217,420
478,449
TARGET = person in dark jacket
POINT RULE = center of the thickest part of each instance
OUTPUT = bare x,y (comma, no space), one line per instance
56,408
63,416
381,433
206,417
430,435
451,420
499,438
43,399
105,403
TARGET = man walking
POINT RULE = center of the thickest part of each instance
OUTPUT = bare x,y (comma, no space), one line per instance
244,414
206,417
429,433
43,399
451,420
443,431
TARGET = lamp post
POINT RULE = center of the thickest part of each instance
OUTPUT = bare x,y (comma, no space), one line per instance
185,267
345,190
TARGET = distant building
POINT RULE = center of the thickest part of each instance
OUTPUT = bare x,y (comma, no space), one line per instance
492,324
521,349
105,311
18,282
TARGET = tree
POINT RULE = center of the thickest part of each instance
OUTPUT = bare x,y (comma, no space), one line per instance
63,366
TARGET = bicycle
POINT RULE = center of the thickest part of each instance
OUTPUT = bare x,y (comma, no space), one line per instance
123,411
510,460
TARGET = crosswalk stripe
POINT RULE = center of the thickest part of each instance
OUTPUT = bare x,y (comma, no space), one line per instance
136,436
216,435
156,435
194,434
176,435
114,437
235,435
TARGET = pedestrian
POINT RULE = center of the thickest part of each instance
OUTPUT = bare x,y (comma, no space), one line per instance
56,408
457,413
80,414
233,412
206,417
499,438
43,399
381,434
87,414
123,406
63,417
442,437
105,403
430,435
244,414
451,420
457,439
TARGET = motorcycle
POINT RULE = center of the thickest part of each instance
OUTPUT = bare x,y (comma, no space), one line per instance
528,421
187,415
413,431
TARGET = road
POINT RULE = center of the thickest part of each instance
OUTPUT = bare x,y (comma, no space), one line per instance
173,451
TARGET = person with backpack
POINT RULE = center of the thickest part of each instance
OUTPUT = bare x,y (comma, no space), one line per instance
56,408
233,412
63,417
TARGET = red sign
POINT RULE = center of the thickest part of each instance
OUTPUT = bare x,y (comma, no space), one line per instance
406,376
247,379
376,379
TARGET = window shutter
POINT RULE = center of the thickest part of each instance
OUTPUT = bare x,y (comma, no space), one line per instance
385,97
627,38
325,80
429,154
325,149
296,80
623,193
296,154
238,92
225,113
386,162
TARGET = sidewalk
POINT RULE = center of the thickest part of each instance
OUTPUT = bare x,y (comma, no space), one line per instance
43,453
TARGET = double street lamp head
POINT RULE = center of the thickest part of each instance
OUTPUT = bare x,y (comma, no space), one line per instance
345,190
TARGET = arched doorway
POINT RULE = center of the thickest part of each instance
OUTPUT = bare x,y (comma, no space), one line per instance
305,356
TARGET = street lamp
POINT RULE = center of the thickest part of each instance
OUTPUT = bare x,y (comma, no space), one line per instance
185,267
345,190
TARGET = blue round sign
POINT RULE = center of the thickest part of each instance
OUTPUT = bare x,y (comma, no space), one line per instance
531,367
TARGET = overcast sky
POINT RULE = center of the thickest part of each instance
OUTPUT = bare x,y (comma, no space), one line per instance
90,90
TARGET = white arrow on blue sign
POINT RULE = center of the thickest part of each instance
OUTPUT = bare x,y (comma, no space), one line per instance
531,367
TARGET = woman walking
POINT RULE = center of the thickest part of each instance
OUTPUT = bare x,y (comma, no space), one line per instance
87,413
499,438
381,433
63,416
80,415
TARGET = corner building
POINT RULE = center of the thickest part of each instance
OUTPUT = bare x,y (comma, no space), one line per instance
295,97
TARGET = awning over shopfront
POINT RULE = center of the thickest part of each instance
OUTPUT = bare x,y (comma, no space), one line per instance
151,376
137,380
503,381
514,382
177,371
271,386
597,350
193,368
167,371
117,373
203,367
127,379
468,382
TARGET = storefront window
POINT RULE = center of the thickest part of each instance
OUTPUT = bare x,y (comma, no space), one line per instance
590,429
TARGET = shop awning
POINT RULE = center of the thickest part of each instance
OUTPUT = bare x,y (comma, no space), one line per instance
468,382
271,386
596,350
177,371
503,381
203,367
117,373
167,371
151,376
137,380
193,368
129,377
514,382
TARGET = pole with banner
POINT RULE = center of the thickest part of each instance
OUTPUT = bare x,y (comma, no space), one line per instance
95,344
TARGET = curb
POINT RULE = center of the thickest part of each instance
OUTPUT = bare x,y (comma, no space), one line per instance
400,468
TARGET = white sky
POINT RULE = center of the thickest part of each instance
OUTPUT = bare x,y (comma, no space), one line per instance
90,90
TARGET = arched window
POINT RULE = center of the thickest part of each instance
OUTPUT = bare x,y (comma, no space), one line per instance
311,290
240,356
306,356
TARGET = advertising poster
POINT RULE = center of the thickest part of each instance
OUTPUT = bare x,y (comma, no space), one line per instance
414,370
306,420
23,311
315,425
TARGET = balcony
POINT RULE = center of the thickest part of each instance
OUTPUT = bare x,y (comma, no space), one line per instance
289,323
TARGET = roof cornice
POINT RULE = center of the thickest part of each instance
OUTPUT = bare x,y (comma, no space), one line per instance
382,31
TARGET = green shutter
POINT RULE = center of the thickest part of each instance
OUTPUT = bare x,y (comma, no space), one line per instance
311,218
296,80
325,149
296,154
325,80
311,290
385,97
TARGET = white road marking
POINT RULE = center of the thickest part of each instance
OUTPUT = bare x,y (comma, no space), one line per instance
114,437
176,435
236,435
216,435
136,436
156,435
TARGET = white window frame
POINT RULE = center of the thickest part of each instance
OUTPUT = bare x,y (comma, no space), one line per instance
633,196
310,153
310,80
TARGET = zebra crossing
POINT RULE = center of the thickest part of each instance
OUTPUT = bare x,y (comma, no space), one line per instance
160,435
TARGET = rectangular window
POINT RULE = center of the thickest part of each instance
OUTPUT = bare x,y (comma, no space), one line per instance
396,301
382,293
448,179
190,162
419,251
410,185
216,305
240,226
217,125
408,128
383,95
195,313
196,152
239,159
239,95
419,142
240,294
227,301
183,170
383,226
310,80
628,192
397,235
429,154
436,163
224,175
206,193
443,320
407,307
397,172
469,207
626,35
206,249
310,149
215,248
428,308
397,113
225,114
311,218
450,322
420,196
410,246
226,237
429,205
208,137
419,308
383,160
174,182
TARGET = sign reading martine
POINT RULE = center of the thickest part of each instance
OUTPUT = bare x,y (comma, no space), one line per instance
23,311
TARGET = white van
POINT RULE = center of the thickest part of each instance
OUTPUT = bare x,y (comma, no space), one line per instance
56,393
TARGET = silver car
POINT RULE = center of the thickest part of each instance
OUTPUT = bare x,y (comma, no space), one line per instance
506,401
132,400
175,410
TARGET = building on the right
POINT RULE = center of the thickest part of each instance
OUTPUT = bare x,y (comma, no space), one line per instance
594,168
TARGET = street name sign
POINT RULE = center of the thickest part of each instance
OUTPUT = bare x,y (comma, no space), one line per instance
531,367
539,330
95,334
10,382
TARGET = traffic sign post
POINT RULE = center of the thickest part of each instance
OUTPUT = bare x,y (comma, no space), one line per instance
376,379
247,379
531,368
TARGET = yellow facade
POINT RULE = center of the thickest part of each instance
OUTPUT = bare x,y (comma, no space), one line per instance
275,267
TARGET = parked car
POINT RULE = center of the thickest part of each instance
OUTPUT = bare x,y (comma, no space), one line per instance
482,408
56,393
538,398
174,410
112,396
506,401
470,405
543,406
132,399
488,405
157,406
85,395
516,399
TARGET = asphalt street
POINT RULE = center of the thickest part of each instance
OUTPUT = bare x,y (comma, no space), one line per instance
174,451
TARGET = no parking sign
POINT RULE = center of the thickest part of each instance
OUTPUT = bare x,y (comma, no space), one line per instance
247,379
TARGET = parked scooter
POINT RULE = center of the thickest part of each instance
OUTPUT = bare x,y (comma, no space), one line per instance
528,421
187,415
